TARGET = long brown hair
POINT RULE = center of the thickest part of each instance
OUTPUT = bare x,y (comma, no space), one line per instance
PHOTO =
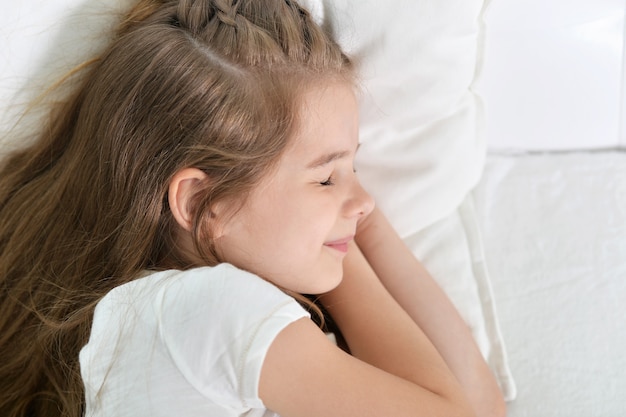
207,84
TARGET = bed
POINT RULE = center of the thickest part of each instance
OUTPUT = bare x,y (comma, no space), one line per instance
554,229
493,135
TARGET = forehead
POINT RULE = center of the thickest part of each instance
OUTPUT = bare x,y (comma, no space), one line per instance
328,121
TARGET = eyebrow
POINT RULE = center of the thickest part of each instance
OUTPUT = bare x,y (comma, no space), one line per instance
329,157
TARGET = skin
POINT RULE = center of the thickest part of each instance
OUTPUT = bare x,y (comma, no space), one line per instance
295,227
296,230
303,216
420,296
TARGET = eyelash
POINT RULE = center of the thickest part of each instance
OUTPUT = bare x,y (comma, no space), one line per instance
328,182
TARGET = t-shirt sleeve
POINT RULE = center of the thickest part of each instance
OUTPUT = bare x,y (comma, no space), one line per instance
218,324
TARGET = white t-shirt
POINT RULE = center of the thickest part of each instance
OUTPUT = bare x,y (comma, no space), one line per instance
184,343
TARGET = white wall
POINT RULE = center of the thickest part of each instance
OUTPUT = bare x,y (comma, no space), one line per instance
554,74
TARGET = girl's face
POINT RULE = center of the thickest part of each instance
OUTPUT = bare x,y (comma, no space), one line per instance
295,227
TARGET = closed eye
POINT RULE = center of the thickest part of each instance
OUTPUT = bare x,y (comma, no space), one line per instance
328,182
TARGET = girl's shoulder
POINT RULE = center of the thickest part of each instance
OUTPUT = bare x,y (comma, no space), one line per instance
201,331
220,278
223,289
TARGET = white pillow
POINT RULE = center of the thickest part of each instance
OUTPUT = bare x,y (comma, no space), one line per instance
423,144
555,75
421,125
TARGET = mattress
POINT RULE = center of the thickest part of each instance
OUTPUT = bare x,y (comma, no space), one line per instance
554,232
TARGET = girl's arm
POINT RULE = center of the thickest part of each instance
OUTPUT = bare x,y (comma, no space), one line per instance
394,370
416,291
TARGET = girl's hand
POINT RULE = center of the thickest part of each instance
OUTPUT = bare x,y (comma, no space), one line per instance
418,293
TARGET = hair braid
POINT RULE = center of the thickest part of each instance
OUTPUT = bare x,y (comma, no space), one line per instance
226,11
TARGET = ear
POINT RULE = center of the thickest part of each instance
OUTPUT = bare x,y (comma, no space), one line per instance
181,189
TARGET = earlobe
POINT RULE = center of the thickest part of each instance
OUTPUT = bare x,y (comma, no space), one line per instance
180,192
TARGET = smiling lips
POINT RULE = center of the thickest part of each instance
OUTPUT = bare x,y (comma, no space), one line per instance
340,245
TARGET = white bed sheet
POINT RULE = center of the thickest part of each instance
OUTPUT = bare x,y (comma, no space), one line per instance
554,232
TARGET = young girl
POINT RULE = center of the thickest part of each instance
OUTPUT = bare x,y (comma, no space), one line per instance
156,240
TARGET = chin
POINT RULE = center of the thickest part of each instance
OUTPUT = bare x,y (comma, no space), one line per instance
330,282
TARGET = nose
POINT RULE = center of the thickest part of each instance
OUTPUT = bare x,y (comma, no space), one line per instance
360,203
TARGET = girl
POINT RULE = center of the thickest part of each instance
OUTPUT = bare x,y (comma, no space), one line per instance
156,240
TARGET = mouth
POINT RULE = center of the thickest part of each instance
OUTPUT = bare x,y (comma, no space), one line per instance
340,245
